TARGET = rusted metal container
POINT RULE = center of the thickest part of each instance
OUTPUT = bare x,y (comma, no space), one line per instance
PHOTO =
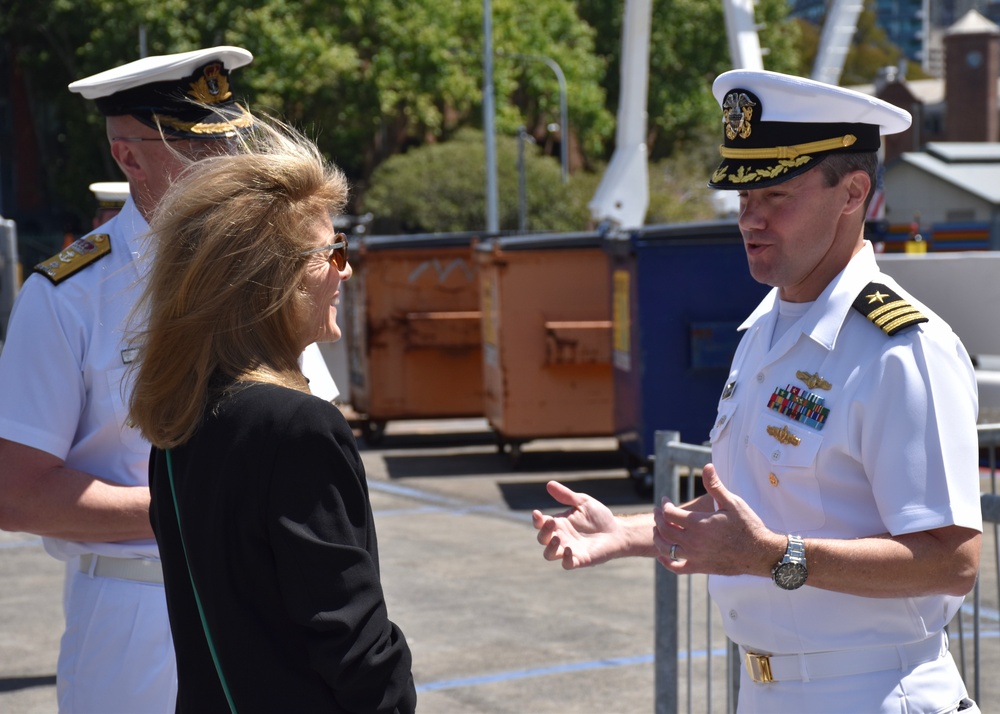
414,343
546,331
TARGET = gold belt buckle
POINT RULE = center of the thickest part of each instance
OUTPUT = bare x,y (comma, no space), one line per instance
759,667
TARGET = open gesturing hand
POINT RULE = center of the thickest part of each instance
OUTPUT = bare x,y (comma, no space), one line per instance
586,534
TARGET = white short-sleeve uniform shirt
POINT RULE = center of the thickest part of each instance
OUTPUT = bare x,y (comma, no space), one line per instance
62,366
889,445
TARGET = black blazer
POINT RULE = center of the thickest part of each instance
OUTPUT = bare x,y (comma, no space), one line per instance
279,532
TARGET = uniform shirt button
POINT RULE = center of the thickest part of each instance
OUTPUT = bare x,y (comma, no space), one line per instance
760,377
775,455
746,440
732,614
722,420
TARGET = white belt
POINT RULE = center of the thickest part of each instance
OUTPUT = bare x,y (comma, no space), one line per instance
765,668
137,569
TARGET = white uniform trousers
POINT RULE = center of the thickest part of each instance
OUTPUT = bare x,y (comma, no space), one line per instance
117,656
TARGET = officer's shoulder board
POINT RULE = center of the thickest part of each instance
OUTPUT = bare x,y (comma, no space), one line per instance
75,257
887,310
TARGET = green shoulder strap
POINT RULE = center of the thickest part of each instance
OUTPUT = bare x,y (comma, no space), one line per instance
201,610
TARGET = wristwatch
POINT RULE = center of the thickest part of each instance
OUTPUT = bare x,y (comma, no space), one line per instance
791,573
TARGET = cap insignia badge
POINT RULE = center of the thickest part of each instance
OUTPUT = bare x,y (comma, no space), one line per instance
212,86
737,111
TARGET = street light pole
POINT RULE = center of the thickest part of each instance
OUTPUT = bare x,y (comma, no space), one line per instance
563,113
522,180
489,129
563,118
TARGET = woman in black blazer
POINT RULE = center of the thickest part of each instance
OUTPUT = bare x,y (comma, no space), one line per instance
259,499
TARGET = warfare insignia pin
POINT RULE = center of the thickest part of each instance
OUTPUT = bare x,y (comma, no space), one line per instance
783,435
813,381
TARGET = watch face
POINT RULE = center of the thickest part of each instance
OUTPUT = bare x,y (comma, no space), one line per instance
790,576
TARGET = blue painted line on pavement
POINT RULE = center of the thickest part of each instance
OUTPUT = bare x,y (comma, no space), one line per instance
985,613
529,673
445,504
556,669
397,490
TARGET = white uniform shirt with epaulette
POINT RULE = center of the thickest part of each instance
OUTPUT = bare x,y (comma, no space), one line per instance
62,365
841,430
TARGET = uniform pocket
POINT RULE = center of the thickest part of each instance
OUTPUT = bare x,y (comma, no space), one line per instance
722,420
793,494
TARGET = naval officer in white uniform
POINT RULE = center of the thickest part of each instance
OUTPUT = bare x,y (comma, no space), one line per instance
841,526
74,471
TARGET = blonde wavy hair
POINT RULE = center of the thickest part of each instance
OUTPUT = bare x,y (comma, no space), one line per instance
224,300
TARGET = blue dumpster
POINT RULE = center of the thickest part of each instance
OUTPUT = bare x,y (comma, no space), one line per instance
679,292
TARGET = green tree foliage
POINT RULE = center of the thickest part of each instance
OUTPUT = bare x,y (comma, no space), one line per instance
375,80
678,187
440,188
368,78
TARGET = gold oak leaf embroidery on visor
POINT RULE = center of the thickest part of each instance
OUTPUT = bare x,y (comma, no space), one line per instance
746,174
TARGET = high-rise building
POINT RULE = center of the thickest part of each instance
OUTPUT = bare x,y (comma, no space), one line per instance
912,25
903,22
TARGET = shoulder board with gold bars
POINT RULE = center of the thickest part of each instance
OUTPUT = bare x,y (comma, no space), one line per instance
75,257
887,310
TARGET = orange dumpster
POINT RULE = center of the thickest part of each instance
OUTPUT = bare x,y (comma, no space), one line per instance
414,336
546,331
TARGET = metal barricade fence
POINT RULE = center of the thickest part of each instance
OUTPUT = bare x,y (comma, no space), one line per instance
703,671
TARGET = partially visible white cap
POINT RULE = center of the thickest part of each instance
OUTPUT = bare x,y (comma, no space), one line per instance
158,68
110,193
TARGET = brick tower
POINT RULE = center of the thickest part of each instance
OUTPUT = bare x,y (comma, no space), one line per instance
972,66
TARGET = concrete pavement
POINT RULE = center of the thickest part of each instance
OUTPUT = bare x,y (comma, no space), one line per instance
492,626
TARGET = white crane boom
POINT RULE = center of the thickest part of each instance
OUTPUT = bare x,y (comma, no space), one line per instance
835,40
622,197
741,28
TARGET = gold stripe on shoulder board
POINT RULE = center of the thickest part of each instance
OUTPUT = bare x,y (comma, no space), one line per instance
887,310
75,257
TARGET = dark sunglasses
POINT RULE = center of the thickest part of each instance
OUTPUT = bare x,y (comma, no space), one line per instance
338,251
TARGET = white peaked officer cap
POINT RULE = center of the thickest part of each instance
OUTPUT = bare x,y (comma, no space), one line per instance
776,126
110,194
186,95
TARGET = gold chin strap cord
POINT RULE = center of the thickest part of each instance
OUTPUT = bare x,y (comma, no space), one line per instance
789,152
